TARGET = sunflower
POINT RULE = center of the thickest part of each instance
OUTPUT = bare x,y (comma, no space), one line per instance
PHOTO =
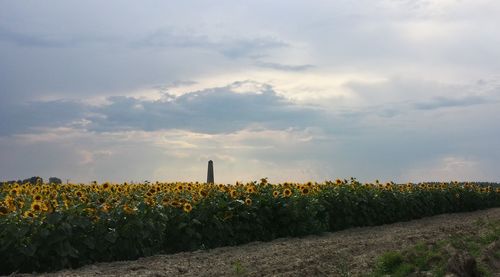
106,186
233,193
127,209
37,197
36,206
276,194
287,192
248,201
187,207
305,190
106,207
175,204
3,210
27,214
149,201
203,193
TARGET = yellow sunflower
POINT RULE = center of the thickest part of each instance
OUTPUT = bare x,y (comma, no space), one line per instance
106,186
248,201
287,192
3,210
37,197
27,214
36,206
187,207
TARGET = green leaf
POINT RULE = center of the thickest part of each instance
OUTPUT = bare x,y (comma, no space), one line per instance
29,250
89,242
111,237
54,218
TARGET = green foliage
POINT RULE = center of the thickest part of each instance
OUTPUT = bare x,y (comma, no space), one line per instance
239,269
389,263
433,257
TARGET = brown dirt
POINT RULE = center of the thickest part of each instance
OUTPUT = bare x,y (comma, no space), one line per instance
350,252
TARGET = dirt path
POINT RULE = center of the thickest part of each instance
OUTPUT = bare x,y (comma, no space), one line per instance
350,251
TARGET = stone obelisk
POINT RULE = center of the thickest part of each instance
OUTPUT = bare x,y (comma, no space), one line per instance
210,174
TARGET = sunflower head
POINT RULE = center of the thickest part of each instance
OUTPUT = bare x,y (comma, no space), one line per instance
187,207
276,194
128,209
14,191
36,206
28,214
248,201
3,210
175,203
106,207
305,190
203,193
287,192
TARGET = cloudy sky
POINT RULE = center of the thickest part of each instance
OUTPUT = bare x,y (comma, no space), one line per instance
402,90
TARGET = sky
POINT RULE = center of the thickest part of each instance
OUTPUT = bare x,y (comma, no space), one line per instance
395,90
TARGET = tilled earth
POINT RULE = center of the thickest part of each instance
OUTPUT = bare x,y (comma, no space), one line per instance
350,252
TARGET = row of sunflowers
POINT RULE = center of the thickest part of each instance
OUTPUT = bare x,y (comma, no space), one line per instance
45,227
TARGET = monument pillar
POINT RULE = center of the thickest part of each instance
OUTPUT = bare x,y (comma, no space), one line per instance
210,174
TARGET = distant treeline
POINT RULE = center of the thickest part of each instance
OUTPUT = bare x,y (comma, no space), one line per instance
34,180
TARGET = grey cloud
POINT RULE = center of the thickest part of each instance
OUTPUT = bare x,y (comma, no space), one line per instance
229,47
446,102
284,67
51,41
29,40
23,117
217,110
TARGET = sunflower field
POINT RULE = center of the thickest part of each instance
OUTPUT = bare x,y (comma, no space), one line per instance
46,227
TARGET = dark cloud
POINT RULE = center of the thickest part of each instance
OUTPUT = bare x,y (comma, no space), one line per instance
217,110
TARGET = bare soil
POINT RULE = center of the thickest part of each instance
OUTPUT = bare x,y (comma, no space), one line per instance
351,252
